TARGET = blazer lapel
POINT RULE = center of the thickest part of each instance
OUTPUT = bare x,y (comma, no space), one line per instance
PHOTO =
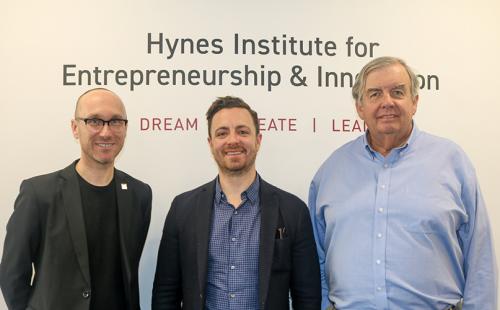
269,209
203,213
72,202
124,201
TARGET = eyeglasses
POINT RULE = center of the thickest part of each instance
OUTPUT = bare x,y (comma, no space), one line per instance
96,124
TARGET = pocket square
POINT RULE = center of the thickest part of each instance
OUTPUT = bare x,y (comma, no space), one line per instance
280,233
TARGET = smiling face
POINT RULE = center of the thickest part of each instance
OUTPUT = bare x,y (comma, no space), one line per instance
387,105
234,142
99,148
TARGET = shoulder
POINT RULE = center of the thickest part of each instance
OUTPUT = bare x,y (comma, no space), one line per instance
425,140
38,193
48,181
132,182
442,148
139,191
341,158
186,206
291,200
193,194
43,178
447,155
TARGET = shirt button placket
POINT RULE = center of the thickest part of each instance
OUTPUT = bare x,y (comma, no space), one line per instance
233,250
379,240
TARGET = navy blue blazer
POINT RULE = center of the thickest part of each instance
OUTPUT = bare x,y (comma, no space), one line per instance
286,266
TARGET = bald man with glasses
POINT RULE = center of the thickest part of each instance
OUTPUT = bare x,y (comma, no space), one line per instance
76,235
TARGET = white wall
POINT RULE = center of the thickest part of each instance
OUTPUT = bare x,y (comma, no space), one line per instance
456,40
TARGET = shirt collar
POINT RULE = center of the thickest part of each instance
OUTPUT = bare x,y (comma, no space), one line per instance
251,193
400,149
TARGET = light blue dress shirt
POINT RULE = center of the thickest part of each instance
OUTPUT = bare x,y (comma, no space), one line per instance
405,231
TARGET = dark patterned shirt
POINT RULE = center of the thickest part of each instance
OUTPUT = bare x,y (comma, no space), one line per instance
233,254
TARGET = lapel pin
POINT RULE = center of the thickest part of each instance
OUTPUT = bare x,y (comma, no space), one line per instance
124,186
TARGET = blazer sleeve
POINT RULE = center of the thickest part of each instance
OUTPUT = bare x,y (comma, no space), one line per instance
306,283
167,287
20,248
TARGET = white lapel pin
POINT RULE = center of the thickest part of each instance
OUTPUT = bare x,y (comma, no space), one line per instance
124,186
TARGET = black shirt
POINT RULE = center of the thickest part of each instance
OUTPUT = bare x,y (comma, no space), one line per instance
100,212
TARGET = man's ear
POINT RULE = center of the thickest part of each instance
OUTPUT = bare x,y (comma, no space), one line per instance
415,105
74,129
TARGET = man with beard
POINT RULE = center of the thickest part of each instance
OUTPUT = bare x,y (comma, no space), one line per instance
236,242
399,220
76,235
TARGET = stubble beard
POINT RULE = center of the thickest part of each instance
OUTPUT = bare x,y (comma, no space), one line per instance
239,171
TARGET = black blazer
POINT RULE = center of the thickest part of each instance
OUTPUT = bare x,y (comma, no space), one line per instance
286,265
47,229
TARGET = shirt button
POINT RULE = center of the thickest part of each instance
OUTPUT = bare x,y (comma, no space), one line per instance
382,186
235,212
379,235
380,210
233,239
379,288
86,294
378,261
386,166
232,267
232,295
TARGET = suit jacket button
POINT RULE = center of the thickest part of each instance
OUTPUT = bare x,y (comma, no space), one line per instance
86,294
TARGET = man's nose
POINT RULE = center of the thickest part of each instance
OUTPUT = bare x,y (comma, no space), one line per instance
387,100
105,130
232,138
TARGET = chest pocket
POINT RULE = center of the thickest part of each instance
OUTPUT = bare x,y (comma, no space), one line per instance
282,255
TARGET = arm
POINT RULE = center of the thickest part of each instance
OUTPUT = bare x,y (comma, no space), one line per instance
318,226
306,284
167,287
20,249
481,287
